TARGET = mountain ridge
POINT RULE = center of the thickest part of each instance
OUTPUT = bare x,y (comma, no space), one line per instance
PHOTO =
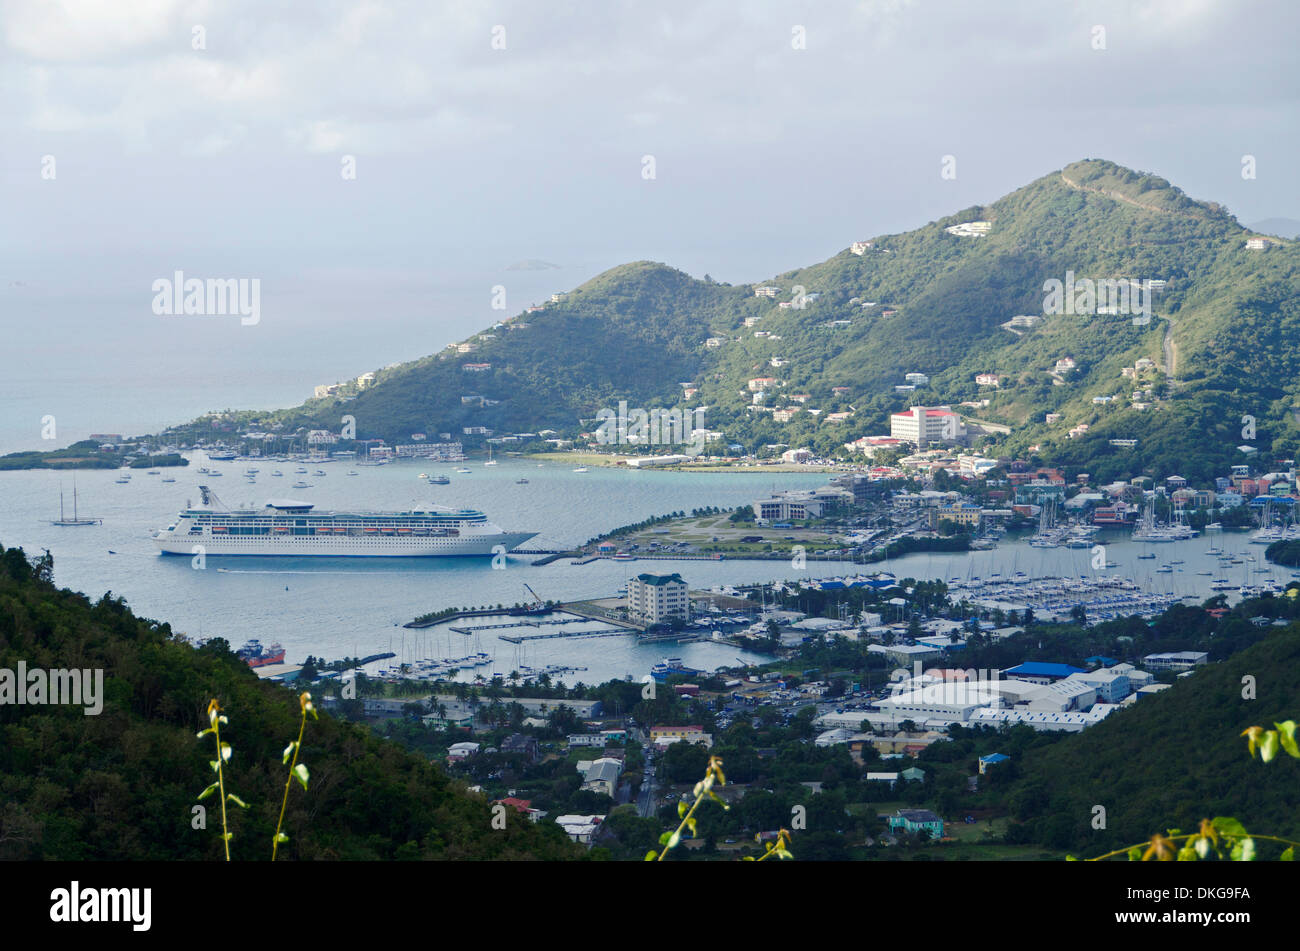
939,303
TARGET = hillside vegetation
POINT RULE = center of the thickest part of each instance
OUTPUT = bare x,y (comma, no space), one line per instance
1170,760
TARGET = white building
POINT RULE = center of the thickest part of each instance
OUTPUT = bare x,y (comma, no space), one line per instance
1111,687
580,828
1043,720
922,425
1175,660
970,229
655,598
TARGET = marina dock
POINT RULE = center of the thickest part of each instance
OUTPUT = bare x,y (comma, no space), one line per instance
520,638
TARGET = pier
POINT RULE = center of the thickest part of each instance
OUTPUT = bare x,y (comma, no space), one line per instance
520,638
493,627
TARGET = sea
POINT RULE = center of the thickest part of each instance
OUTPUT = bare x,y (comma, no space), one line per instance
333,608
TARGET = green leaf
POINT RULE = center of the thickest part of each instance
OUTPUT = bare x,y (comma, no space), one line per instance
681,810
300,772
1286,736
228,836
1268,745
236,800
651,855
288,750
281,837
209,791
1225,825
214,764
202,733
690,824
1288,855
1187,854
748,858
1070,858
1135,854
663,839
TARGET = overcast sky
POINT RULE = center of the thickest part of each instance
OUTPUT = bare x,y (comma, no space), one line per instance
780,133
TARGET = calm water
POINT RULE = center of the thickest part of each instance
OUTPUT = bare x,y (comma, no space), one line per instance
356,606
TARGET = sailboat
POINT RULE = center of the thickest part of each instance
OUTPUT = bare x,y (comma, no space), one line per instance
62,520
490,460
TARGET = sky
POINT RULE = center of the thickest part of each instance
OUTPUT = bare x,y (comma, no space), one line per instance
143,137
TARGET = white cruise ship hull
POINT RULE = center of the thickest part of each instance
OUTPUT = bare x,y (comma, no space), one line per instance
377,546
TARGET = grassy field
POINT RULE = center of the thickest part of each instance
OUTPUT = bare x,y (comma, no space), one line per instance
701,532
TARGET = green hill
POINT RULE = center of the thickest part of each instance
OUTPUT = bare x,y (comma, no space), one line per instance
121,785
1221,338
1170,760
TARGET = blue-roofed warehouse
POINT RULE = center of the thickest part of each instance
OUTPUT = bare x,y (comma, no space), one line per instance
1039,673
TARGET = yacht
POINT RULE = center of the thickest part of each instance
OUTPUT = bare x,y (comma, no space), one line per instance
76,520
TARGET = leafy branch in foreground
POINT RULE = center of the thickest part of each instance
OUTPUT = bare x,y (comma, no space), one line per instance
297,770
777,848
704,789
215,719
713,776
1267,742
1224,838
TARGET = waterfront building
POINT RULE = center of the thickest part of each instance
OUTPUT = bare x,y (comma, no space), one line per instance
656,598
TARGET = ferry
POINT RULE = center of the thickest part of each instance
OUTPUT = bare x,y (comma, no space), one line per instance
288,527
439,480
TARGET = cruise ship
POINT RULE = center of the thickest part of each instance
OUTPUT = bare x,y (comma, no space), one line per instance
288,527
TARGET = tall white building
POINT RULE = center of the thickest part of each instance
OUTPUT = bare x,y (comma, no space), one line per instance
923,425
655,598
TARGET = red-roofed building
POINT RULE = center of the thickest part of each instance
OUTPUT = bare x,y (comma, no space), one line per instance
922,425
524,806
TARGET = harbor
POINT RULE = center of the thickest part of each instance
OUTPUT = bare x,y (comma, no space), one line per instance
356,607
